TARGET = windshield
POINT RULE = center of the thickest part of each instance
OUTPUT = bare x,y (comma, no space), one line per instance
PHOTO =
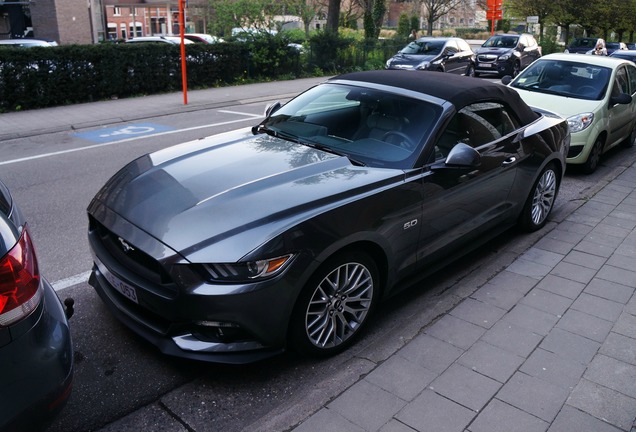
371,127
501,42
565,78
424,47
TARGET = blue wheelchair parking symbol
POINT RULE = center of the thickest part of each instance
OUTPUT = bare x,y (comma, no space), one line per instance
123,132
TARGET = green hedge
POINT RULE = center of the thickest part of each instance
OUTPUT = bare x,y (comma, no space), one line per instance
43,76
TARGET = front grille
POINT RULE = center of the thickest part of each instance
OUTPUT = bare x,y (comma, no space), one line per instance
140,264
486,58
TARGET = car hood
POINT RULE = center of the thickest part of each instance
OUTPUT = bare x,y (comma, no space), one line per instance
231,197
411,59
493,51
564,106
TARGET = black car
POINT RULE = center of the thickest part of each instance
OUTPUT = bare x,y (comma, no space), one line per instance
625,55
435,54
506,54
583,45
36,355
234,247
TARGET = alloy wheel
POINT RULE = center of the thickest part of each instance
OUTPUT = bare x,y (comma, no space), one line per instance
544,196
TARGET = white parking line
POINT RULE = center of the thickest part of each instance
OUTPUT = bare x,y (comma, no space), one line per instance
45,155
71,281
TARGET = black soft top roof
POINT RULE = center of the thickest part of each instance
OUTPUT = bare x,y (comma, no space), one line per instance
458,90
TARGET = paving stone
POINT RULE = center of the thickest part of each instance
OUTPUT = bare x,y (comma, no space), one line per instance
595,208
534,396
607,239
482,314
574,228
432,412
396,426
542,256
571,419
401,377
609,197
622,261
513,281
604,403
612,373
532,319
623,215
585,259
525,267
619,347
498,416
627,249
585,219
585,325
327,420
570,346
430,353
561,286
626,325
367,405
620,222
611,230
547,302
466,387
456,331
550,367
556,245
573,272
512,338
491,361
595,248
497,295
618,275
599,307
609,290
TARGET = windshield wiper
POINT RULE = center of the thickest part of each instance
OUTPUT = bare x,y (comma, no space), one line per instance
333,151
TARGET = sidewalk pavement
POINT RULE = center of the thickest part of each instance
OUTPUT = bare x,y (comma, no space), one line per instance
547,344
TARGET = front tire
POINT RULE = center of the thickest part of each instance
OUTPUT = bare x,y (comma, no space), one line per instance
593,158
335,305
470,71
629,141
540,201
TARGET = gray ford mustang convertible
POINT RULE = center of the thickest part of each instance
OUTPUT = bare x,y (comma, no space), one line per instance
234,247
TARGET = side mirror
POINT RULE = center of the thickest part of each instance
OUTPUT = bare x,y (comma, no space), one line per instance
622,99
463,156
506,79
272,108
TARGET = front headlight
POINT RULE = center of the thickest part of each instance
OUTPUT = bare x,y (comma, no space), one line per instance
423,66
504,57
580,122
388,63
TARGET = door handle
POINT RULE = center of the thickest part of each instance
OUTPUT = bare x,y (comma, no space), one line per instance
509,161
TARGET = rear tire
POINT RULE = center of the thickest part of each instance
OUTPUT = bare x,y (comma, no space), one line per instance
629,141
335,305
540,202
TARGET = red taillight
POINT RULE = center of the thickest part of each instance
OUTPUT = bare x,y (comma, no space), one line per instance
19,281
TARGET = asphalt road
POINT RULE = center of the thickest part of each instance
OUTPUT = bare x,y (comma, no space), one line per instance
118,374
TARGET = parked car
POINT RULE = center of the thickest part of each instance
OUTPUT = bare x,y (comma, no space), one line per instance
626,55
202,38
436,54
36,355
27,43
595,94
289,233
615,46
175,40
583,45
506,54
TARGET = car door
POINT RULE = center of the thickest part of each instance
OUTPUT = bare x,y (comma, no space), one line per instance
453,62
461,203
620,116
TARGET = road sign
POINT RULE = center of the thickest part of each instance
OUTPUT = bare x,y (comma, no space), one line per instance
532,19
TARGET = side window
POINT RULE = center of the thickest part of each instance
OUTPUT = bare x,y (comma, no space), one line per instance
451,47
632,79
621,83
476,125
463,45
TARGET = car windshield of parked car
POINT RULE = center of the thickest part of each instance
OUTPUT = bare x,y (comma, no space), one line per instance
426,47
501,42
370,127
565,78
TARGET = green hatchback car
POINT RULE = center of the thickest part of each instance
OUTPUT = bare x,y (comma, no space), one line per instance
594,93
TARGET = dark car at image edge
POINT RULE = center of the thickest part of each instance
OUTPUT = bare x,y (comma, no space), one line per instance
238,246
506,54
36,354
440,54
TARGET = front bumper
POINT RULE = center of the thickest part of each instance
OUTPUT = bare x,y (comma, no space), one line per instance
497,67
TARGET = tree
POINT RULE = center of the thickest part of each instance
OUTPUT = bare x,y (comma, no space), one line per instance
307,10
540,8
333,17
435,9
242,14
565,13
